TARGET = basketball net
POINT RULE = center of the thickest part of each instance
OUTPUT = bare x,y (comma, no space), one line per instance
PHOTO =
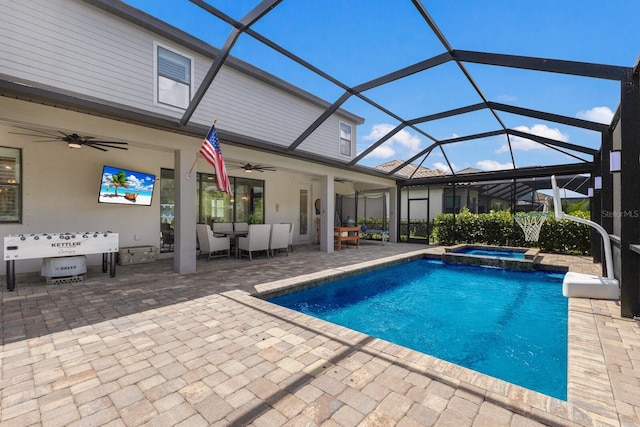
531,223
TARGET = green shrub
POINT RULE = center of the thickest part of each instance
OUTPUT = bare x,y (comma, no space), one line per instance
499,228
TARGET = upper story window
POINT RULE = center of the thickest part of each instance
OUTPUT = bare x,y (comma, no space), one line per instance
174,77
10,186
345,139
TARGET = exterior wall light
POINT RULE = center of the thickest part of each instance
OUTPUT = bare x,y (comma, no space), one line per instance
615,161
597,183
590,192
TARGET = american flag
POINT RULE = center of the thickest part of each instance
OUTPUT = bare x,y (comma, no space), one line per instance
212,153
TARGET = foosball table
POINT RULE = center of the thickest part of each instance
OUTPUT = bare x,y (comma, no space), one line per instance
46,245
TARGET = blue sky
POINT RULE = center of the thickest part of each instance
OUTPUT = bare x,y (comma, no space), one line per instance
358,40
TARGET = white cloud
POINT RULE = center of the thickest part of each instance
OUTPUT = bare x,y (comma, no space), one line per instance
444,167
401,140
378,131
596,114
492,165
385,151
523,144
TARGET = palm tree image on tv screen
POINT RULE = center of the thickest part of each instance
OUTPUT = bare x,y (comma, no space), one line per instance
122,186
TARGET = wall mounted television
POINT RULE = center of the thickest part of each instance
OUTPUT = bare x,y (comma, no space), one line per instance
126,187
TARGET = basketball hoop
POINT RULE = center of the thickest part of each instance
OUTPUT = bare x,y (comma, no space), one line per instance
531,223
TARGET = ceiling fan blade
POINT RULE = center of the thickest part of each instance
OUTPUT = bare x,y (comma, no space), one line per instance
37,136
105,142
93,146
100,144
41,132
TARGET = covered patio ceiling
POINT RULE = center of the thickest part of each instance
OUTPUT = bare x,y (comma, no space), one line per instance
467,119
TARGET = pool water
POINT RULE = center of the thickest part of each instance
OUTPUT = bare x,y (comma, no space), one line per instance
508,324
492,253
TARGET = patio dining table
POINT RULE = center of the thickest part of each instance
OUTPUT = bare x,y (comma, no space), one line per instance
234,236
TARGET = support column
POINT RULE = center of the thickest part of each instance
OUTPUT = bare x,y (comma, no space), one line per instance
606,195
184,253
595,210
393,214
629,195
327,212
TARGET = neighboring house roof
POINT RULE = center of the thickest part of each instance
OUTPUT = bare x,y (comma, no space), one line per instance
409,170
469,170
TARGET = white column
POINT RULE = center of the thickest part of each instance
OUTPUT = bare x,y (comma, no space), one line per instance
393,217
184,253
327,212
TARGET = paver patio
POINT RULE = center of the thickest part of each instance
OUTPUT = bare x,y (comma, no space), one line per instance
153,347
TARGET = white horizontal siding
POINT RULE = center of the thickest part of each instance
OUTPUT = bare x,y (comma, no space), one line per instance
70,45
71,49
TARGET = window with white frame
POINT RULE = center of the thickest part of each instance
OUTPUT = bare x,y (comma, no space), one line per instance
10,185
174,76
345,139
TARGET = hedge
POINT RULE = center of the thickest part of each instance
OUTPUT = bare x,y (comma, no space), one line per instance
499,228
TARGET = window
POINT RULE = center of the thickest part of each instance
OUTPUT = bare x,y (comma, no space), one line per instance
247,204
174,74
345,139
10,187
451,204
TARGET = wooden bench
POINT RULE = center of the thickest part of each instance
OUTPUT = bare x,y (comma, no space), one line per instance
347,235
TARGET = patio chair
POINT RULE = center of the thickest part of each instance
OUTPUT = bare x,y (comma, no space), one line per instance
222,228
211,245
257,240
241,227
279,238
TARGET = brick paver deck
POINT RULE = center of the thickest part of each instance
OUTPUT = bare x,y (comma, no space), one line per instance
153,347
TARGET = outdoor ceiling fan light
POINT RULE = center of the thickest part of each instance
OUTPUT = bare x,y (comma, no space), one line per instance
248,170
597,183
615,161
74,145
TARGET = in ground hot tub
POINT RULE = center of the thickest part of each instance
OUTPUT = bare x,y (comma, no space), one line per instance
495,256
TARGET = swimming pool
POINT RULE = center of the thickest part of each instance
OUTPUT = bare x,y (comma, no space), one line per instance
508,324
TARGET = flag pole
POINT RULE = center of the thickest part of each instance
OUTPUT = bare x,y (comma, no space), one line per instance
197,153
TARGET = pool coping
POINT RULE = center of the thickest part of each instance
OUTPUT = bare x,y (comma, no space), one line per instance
590,397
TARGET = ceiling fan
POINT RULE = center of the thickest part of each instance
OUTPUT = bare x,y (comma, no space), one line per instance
258,168
73,140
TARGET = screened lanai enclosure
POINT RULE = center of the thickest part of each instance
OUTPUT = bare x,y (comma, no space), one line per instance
528,137
503,107
420,204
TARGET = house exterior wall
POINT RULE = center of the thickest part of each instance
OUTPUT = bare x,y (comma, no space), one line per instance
60,186
60,189
114,63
